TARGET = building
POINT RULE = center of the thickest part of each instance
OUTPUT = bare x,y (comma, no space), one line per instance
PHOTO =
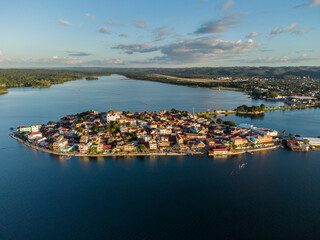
261,131
239,141
297,145
220,151
34,135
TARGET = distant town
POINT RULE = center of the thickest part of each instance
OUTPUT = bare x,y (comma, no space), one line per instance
160,133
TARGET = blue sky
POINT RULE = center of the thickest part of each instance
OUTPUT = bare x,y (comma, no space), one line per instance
153,33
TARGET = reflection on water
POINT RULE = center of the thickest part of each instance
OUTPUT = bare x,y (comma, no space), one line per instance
251,116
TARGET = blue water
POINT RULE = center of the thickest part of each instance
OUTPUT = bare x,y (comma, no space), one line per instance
268,195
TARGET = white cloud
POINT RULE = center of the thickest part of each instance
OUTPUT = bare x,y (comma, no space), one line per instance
303,31
56,61
252,35
111,22
284,58
203,49
163,31
88,15
139,48
311,4
228,4
231,20
273,32
292,28
62,60
78,54
191,50
64,22
123,35
106,61
140,23
104,30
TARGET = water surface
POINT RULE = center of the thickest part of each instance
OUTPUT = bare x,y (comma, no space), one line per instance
268,195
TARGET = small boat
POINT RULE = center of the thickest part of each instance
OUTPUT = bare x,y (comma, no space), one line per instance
242,165
189,154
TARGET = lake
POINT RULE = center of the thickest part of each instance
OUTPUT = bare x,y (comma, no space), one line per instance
267,195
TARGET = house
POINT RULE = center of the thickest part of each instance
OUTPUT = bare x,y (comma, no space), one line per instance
67,148
152,145
179,139
96,139
83,148
198,145
84,139
58,145
127,120
107,148
163,144
297,145
40,139
264,139
220,151
111,117
23,129
99,147
34,135
239,141
210,142
35,128
129,147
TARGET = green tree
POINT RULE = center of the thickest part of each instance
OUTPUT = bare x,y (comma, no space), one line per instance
141,148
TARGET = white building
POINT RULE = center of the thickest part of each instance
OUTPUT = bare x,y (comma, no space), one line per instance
34,128
34,135
112,117
261,131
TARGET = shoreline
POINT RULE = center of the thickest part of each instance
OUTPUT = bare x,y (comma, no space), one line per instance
73,154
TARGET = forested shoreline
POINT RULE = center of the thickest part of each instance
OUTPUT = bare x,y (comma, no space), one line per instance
257,81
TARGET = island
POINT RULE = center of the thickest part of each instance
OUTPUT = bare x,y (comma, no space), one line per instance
120,133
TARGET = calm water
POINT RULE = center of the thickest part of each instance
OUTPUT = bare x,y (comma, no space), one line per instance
275,196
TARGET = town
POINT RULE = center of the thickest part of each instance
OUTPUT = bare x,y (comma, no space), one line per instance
164,132
174,132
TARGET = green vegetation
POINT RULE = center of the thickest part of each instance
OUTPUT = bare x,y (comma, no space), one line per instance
306,141
266,82
39,78
252,109
257,81
230,123
141,148
92,78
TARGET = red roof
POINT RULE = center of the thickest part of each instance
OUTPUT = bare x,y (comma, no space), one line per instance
35,133
219,149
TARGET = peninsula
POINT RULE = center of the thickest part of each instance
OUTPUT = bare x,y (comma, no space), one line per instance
174,132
